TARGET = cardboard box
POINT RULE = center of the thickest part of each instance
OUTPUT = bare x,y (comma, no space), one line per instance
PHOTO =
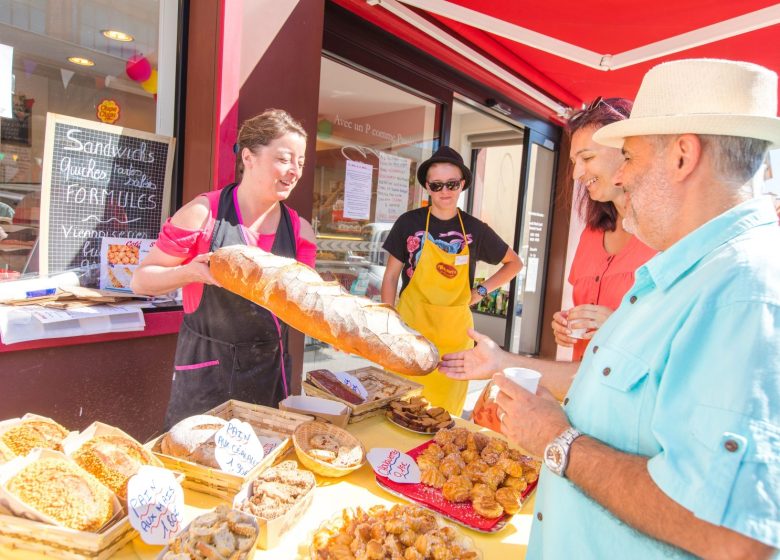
323,409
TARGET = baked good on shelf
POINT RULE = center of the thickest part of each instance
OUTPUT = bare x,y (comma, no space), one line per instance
417,414
193,439
326,380
30,433
298,295
222,533
65,492
276,489
403,531
113,459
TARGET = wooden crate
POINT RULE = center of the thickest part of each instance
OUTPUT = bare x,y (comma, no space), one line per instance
60,542
406,389
266,421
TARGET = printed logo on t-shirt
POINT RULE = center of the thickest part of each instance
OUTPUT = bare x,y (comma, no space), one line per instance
446,270
450,242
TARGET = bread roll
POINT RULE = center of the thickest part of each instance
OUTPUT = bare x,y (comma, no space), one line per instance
193,439
34,432
301,298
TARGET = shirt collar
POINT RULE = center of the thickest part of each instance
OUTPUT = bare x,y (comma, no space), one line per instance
666,267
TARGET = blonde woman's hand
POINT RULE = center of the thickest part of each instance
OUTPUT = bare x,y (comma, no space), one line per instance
198,270
589,317
561,330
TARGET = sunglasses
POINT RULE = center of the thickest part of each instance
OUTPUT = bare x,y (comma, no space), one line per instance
453,185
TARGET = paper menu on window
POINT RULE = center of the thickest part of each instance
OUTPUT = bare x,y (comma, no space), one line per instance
532,272
357,190
392,193
119,258
6,81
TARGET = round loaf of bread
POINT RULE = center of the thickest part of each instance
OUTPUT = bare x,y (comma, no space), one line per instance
193,439
113,460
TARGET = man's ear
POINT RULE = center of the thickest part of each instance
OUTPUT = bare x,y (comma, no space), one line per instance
686,154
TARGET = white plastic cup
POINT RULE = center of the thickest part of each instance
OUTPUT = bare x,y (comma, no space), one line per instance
578,333
528,379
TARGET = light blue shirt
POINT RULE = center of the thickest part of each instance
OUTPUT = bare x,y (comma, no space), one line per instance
687,373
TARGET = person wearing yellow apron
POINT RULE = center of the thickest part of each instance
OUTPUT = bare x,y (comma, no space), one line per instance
436,249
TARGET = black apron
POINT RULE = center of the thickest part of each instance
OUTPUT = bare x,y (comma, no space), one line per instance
229,347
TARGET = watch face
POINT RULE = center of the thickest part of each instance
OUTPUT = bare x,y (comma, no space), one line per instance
482,290
553,456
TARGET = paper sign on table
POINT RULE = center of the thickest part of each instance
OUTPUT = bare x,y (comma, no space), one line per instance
238,449
352,382
394,464
155,502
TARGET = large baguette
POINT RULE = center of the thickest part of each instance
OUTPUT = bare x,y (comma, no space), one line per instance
301,298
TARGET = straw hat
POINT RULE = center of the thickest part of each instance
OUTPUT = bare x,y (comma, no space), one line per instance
702,96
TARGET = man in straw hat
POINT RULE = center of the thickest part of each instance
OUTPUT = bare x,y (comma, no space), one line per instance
668,443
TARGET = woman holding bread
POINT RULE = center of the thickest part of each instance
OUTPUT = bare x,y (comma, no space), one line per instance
229,347
435,251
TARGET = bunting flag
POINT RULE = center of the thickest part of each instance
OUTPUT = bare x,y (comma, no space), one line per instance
66,76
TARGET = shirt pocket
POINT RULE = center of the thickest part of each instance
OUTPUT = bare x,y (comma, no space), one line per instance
620,379
730,442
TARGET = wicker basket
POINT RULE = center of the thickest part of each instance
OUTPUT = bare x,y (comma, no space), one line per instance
304,433
266,421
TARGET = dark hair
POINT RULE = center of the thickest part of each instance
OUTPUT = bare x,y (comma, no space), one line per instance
602,216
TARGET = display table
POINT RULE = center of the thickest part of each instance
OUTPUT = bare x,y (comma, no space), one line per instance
332,495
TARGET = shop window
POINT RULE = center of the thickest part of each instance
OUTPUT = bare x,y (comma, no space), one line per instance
371,136
71,58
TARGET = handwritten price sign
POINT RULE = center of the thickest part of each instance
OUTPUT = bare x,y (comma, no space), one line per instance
238,450
393,464
352,382
156,503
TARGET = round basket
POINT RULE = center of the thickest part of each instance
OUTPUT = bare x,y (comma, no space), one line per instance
304,432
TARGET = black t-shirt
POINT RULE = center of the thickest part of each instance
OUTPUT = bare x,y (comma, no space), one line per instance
405,240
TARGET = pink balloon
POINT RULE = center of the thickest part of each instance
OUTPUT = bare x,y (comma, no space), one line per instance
138,68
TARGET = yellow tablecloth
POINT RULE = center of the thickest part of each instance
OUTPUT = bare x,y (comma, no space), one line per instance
332,495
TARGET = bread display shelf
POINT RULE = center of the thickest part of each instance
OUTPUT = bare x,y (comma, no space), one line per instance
369,376
265,421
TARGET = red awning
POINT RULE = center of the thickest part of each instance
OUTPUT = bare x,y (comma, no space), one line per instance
569,52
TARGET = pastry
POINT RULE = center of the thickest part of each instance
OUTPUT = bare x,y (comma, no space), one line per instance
64,491
30,433
402,532
487,506
221,534
432,477
509,498
276,489
192,439
457,489
417,414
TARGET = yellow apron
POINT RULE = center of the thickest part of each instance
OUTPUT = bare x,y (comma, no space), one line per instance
436,303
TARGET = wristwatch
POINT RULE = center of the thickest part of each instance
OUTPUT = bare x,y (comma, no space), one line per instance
481,290
556,454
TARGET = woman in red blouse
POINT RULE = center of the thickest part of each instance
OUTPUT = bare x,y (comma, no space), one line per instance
607,255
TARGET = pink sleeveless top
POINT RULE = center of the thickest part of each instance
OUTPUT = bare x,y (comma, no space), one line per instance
187,244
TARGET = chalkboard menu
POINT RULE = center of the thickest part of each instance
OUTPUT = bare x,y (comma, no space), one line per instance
99,181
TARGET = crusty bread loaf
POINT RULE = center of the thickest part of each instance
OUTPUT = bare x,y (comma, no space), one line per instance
34,432
64,491
113,460
301,298
193,439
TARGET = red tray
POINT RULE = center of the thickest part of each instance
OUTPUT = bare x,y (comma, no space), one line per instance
462,513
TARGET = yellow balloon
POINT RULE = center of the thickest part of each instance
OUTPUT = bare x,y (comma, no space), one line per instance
150,85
